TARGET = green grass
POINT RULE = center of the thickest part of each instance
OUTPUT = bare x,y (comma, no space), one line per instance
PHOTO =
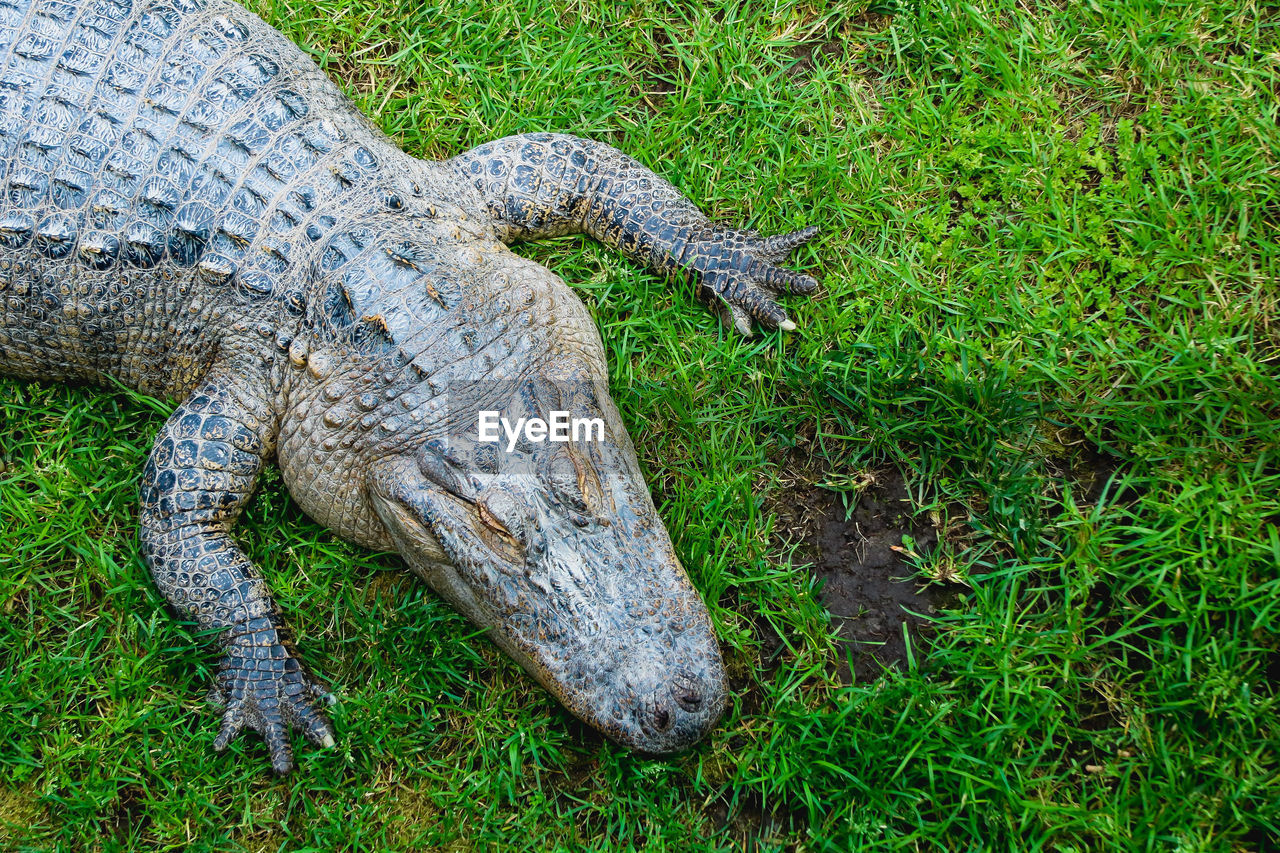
1050,245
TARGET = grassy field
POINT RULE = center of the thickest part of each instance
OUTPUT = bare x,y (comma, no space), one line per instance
1050,296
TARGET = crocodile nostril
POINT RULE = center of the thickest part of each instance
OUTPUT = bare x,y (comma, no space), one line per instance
689,700
662,719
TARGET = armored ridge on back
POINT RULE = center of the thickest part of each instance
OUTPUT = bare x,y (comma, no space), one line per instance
191,207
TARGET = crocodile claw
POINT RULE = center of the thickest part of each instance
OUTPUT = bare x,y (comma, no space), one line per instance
262,686
740,276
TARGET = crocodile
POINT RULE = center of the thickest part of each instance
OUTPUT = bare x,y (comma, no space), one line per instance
193,209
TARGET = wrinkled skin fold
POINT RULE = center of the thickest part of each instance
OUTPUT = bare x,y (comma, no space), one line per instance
188,206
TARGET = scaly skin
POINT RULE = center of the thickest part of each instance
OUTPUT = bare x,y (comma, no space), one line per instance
546,185
190,207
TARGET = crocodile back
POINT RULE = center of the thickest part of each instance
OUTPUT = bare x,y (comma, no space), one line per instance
171,172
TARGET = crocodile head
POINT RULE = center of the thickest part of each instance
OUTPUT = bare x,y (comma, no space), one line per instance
556,549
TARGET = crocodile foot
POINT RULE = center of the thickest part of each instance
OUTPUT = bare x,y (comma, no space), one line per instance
740,276
261,685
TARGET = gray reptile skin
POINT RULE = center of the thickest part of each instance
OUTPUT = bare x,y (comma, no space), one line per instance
192,208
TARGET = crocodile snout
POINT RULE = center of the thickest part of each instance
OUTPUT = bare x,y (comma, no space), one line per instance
680,713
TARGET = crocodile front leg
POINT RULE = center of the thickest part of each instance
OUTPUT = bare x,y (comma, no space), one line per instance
201,472
546,185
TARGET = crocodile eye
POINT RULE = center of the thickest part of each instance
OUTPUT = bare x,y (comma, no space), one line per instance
593,494
494,531
562,476
491,521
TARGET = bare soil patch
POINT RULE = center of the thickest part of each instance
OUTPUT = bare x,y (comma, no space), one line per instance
877,605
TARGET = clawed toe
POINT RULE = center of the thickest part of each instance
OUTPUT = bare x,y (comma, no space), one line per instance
271,703
741,276
232,725
780,245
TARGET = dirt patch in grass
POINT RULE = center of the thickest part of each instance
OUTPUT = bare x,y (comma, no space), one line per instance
809,54
830,41
129,815
878,607
1092,472
1089,472
748,826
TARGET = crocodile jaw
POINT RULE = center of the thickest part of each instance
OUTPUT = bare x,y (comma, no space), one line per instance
605,618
